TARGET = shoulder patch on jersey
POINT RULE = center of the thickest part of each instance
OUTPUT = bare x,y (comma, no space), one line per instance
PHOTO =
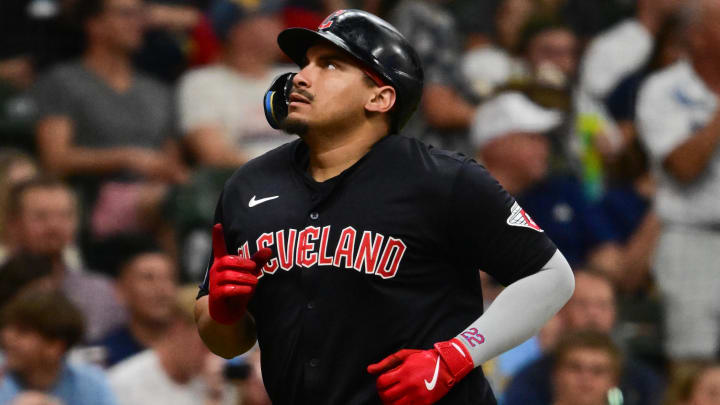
518,217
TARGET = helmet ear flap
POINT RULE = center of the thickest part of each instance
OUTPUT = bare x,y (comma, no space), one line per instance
277,99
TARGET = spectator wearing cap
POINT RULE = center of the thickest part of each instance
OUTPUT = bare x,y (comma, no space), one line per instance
510,136
678,115
146,283
177,370
43,216
220,109
38,329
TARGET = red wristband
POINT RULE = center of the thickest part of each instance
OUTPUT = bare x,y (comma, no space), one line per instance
457,357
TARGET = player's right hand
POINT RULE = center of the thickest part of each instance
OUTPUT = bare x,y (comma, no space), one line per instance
232,279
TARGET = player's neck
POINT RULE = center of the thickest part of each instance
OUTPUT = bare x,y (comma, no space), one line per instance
331,154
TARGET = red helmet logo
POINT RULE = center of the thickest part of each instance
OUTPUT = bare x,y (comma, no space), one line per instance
329,20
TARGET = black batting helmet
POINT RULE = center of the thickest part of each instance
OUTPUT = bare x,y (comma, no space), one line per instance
375,43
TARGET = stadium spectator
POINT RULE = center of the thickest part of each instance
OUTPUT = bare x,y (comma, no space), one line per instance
610,57
447,106
592,307
251,388
510,136
551,50
23,270
586,370
43,214
624,48
15,167
178,370
544,69
106,126
490,64
679,125
38,329
170,37
699,385
146,281
630,185
220,109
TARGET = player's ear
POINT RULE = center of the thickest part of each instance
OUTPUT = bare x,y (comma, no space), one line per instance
382,99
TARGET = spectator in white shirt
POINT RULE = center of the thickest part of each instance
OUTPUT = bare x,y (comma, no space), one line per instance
609,58
220,106
178,370
679,124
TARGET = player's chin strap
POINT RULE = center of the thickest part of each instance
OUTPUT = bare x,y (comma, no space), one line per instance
277,98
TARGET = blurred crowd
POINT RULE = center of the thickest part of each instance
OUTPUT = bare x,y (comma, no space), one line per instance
121,119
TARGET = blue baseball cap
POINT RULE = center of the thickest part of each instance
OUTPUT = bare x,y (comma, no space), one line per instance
225,14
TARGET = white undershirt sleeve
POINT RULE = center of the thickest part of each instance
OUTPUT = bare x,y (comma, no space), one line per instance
520,310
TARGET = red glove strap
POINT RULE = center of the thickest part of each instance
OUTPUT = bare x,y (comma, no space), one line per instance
456,357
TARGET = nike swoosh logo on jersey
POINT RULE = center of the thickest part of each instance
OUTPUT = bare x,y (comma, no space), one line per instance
430,385
253,202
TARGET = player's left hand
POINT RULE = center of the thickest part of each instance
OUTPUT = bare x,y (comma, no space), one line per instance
421,376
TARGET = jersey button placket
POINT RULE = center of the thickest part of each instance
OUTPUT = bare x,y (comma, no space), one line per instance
314,215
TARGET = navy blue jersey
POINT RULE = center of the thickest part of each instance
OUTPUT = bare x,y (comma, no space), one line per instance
575,224
382,257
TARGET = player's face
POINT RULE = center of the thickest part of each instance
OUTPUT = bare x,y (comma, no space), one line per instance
592,305
47,220
583,377
148,287
707,389
330,92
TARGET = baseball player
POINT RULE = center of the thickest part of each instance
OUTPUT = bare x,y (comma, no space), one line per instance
351,255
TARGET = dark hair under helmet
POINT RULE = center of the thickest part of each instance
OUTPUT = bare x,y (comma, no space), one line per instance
376,44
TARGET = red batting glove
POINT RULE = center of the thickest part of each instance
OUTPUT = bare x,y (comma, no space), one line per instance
421,376
232,279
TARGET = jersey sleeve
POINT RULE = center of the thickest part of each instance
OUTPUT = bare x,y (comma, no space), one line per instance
52,96
489,230
662,121
205,285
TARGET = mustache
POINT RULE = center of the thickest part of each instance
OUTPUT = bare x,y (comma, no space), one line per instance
303,93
